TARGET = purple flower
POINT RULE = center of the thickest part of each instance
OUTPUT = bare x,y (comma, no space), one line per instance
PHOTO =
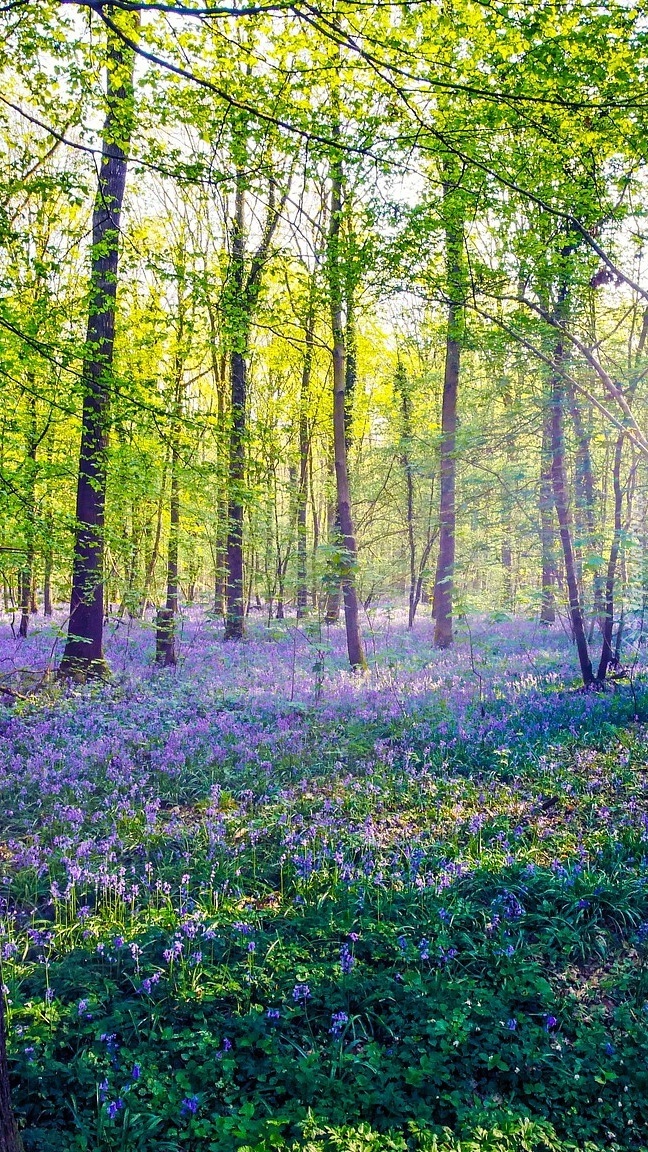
511,1024
189,1105
136,1072
82,1007
338,1020
347,961
550,1023
114,1107
301,992
174,952
273,1014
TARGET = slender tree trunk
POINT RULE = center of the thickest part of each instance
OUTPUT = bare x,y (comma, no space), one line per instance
83,654
241,300
48,550
47,582
315,513
333,589
239,324
235,611
411,542
165,653
219,371
304,454
10,1140
155,549
548,555
348,564
607,654
561,498
401,386
26,574
455,275
585,501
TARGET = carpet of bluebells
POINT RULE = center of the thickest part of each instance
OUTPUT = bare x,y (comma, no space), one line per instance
256,902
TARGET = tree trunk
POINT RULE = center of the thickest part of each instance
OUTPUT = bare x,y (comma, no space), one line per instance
401,386
235,595
219,371
548,561
10,1140
559,478
456,288
304,454
585,501
83,654
349,555
155,549
607,654
332,583
47,582
165,653
26,574
241,300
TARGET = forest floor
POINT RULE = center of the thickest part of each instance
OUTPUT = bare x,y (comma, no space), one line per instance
258,902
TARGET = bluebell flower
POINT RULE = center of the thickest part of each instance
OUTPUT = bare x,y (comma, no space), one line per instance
347,961
338,1020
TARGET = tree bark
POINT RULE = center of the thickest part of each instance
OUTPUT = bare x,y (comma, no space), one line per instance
235,590
607,654
26,574
401,386
165,653
304,455
548,556
349,554
83,654
241,299
456,288
10,1140
561,498
235,593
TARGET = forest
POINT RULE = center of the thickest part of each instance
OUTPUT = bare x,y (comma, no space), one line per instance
324,566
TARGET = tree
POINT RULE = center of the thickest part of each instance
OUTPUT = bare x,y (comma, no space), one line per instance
83,654
348,553
456,280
